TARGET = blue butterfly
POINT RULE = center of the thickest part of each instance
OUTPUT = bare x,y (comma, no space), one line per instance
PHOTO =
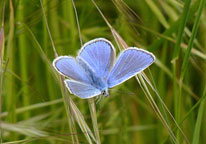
93,71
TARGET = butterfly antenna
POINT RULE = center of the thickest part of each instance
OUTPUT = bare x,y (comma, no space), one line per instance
123,92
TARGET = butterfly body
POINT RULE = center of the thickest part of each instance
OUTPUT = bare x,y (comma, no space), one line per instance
93,71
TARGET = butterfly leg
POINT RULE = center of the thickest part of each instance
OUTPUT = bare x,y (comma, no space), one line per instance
99,97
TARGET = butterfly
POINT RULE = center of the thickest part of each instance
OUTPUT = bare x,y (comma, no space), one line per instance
94,70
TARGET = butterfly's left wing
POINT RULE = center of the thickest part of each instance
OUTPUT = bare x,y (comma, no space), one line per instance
99,54
131,62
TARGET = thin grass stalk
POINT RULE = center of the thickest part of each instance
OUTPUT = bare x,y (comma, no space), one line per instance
164,105
54,23
65,97
1,76
68,101
153,106
2,33
92,108
71,19
91,102
11,104
82,124
77,22
156,109
50,84
47,26
1,68
123,44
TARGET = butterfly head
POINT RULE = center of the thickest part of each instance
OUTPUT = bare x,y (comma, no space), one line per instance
105,92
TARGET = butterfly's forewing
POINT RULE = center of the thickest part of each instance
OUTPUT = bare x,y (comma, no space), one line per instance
68,67
99,54
131,62
81,90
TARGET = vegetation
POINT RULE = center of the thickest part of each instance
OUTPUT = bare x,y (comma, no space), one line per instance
165,104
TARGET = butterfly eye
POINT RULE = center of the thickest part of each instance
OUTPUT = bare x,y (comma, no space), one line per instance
104,93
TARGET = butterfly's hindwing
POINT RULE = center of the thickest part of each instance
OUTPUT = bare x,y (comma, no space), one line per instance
82,90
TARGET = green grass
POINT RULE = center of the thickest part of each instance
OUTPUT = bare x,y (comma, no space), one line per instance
165,104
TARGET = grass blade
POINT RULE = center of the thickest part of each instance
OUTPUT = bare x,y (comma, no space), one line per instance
183,21
92,108
191,41
91,103
1,68
196,134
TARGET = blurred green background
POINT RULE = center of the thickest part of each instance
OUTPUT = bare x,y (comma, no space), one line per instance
36,108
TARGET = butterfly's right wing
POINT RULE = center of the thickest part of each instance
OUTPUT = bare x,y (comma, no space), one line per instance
82,90
69,67
131,62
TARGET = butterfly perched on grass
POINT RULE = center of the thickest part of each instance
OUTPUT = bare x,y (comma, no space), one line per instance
94,70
